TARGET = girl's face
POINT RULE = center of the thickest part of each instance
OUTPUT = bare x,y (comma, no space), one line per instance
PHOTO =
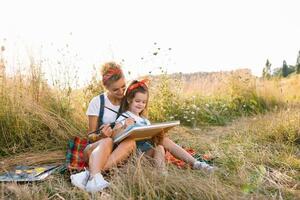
117,88
138,103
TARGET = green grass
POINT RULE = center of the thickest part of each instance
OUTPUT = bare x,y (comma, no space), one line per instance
251,165
257,146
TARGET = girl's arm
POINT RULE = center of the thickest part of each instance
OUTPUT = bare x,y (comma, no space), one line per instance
122,125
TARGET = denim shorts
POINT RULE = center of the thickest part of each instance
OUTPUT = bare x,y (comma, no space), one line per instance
144,145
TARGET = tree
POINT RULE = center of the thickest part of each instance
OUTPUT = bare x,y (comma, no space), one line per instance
267,70
298,63
285,72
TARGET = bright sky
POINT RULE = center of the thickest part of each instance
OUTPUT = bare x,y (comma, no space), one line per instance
214,35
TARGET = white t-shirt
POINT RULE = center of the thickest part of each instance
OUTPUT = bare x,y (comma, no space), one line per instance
94,109
139,120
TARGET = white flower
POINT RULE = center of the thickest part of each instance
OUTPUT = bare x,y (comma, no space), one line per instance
193,112
207,105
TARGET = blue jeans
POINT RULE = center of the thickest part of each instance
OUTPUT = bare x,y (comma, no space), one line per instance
144,145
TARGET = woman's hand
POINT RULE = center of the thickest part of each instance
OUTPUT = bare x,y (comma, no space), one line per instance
106,130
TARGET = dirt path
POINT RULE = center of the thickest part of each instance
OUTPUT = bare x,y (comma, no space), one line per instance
205,136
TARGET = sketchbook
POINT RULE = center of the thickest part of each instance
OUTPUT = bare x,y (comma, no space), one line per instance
144,132
28,173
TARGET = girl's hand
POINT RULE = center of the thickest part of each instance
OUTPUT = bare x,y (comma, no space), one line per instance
128,122
106,130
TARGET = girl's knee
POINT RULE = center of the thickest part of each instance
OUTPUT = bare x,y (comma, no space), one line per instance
167,142
160,148
166,139
129,144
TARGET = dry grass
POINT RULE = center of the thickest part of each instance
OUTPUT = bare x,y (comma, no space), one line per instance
213,84
33,158
255,162
258,157
280,90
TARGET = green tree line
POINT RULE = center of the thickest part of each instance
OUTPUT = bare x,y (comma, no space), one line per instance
283,71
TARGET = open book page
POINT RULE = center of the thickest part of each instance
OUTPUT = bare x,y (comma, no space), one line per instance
144,132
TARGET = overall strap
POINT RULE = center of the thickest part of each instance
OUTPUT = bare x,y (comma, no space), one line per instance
119,112
101,111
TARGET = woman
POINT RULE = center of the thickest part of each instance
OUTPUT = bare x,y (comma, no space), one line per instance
101,154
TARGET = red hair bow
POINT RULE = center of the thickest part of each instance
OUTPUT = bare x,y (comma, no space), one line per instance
141,83
110,73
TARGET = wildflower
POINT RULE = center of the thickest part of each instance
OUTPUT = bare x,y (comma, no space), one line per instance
207,105
193,112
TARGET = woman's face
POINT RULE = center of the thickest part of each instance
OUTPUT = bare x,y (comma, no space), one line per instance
117,88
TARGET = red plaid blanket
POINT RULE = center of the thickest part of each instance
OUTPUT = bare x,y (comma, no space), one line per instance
181,164
75,161
74,157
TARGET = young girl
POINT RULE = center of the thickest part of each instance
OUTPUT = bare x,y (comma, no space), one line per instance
134,105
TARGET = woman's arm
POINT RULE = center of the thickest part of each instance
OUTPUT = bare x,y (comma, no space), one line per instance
106,131
93,123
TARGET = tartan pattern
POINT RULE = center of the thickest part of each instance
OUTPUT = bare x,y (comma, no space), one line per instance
181,164
76,146
74,156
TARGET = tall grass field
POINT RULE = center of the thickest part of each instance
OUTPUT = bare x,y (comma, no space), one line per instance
250,126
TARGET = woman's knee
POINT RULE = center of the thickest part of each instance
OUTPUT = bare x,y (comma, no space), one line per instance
107,143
